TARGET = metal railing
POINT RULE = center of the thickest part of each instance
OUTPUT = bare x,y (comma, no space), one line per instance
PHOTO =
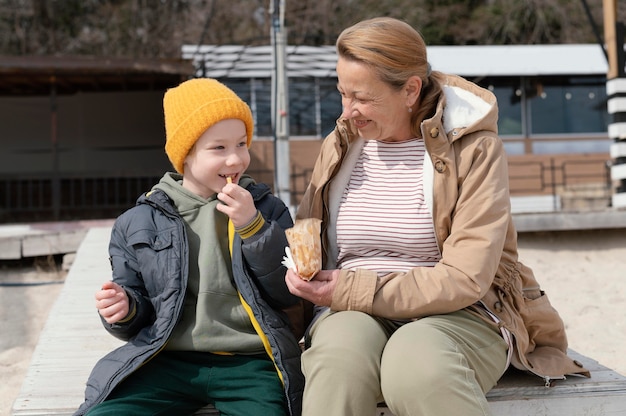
42,198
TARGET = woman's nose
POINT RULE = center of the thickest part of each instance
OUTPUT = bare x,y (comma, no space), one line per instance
347,109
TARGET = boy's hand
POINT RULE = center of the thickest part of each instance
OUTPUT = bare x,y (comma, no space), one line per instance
112,302
237,203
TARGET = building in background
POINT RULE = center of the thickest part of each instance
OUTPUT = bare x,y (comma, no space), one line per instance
552,102
81,139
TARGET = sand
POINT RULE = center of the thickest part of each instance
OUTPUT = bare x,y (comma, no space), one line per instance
24,308
583,273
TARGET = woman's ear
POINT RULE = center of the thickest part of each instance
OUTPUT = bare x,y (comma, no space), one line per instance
413,87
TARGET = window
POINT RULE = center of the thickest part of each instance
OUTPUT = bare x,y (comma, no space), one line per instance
565,114
568,105
314,104
509,93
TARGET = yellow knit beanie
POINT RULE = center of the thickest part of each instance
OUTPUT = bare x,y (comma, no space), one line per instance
194,106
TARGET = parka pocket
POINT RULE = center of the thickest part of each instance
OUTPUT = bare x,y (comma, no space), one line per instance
543,323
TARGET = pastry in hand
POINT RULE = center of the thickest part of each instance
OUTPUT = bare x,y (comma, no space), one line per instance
306,246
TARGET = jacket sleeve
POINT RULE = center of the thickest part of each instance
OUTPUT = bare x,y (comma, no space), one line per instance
264,253
126,274
471,247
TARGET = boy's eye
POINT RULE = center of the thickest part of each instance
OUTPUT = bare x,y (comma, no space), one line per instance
243,144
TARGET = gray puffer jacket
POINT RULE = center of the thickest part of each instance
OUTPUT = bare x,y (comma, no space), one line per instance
148,253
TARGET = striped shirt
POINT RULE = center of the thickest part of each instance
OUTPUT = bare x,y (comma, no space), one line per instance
383,222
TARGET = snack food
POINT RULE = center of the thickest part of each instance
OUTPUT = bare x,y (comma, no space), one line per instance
306,247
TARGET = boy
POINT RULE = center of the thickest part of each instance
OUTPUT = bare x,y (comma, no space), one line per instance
197,278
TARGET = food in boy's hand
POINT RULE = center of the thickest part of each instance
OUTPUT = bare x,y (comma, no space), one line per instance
306,247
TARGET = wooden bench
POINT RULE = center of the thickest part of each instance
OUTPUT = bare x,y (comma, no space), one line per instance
73,339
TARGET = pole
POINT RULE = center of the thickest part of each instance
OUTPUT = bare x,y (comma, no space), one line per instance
54,143
280,103
616,104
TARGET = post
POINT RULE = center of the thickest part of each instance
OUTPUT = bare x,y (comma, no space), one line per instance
616,92
280,104
54,143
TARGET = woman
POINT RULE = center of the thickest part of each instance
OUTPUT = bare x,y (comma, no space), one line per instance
422,302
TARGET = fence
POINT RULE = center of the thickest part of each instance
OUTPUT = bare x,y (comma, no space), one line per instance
45,198
560,183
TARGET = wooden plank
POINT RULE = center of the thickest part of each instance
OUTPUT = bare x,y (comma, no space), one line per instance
535,204
10,248
522,394
48,243
72,339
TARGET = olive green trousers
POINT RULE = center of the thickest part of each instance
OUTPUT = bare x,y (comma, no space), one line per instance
436,366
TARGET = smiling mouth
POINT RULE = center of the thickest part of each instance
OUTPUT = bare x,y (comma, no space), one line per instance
360,123
229,178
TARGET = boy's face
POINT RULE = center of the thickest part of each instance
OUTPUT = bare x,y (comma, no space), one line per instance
220,152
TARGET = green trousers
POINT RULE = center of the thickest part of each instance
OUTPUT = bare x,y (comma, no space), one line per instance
179,383
436,366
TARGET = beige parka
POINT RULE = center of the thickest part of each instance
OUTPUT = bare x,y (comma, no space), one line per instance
467,174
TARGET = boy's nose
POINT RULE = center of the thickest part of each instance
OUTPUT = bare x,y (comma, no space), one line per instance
233,159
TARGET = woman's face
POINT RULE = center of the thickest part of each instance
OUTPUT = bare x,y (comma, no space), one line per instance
378,111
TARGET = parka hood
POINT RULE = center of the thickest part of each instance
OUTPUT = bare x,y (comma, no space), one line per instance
467,108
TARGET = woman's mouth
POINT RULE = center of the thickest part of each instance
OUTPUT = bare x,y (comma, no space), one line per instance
359,124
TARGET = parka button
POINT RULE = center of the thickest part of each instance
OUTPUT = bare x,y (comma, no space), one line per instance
434,132
439,166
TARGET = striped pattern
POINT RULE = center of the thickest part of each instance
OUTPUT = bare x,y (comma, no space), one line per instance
616,105
383,222
252,227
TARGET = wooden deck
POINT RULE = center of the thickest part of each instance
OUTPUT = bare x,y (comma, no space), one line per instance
73,340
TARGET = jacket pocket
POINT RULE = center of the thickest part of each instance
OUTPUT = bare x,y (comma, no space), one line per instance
153,250
543,323
155,240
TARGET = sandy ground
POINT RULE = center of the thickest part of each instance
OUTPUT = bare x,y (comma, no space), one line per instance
584,274
26,297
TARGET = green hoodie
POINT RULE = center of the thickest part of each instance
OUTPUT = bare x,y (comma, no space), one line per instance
213,319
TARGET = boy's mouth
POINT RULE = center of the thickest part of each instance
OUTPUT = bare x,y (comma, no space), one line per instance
229,178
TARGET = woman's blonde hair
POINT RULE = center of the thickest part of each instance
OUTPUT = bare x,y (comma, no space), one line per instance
395,52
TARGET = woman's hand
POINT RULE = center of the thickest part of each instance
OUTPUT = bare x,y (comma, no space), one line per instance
318,290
